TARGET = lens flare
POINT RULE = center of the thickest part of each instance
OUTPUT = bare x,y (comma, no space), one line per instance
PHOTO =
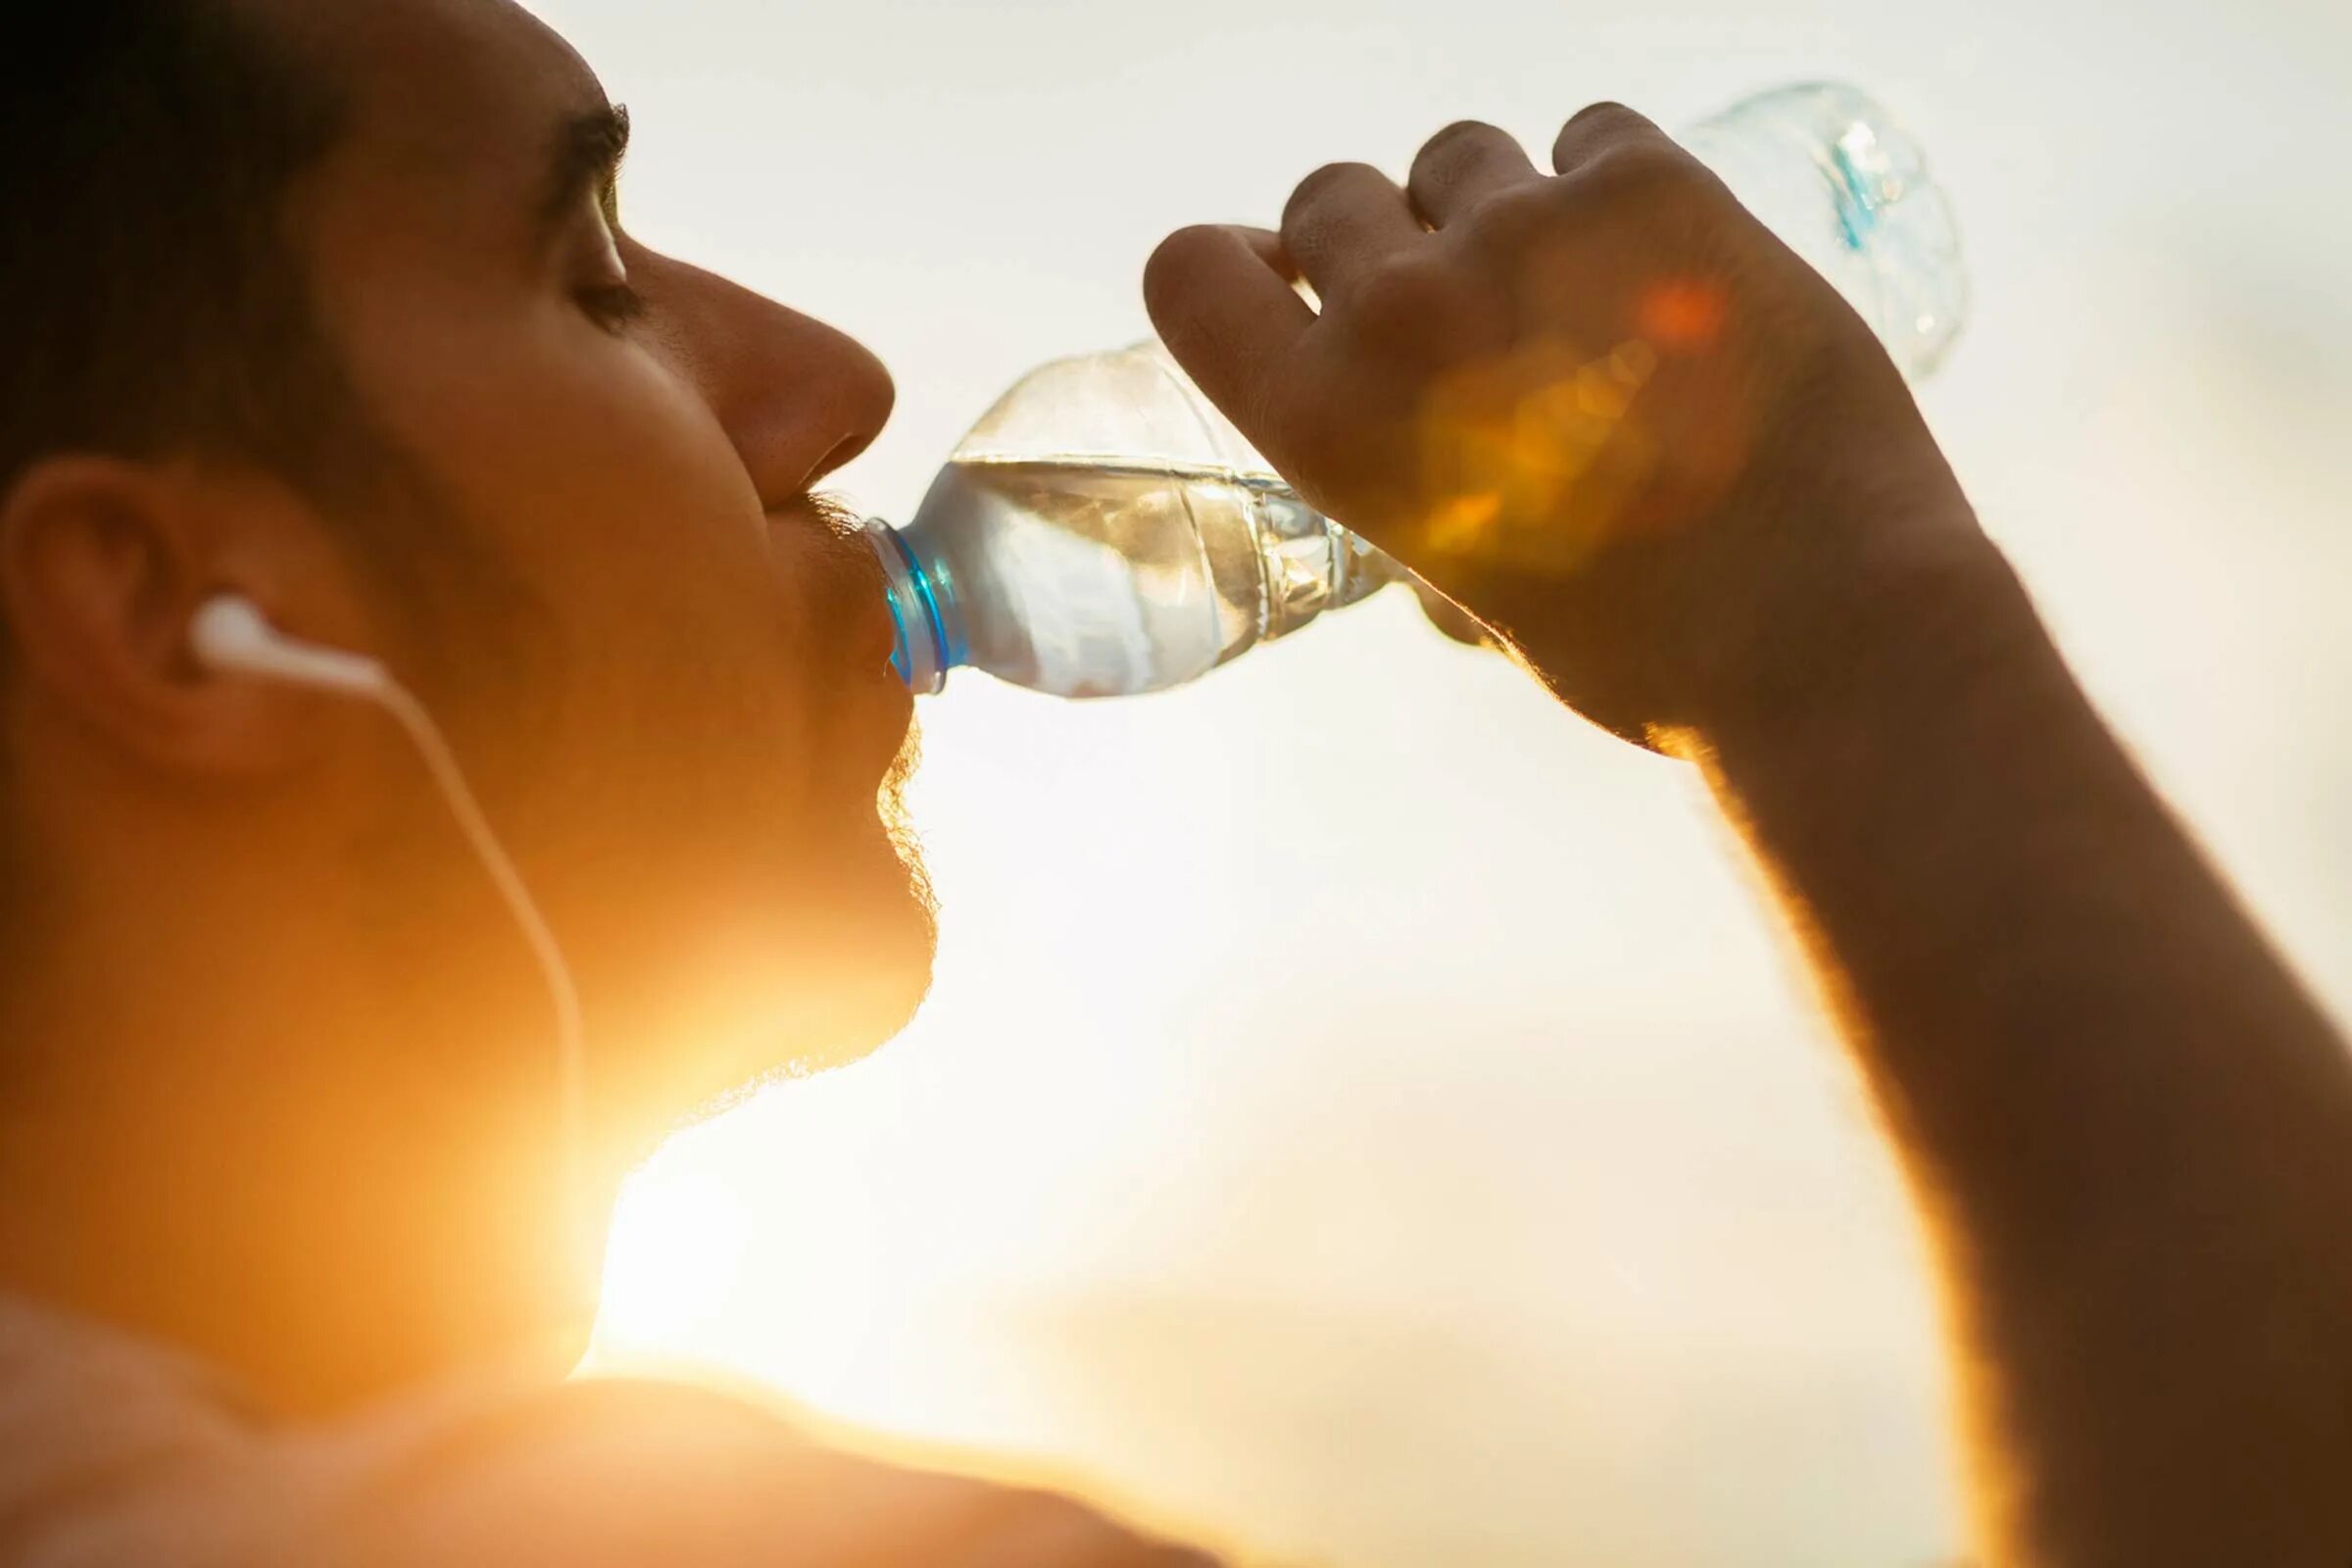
1535,456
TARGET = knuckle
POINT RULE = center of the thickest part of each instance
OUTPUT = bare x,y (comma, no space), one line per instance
1185,250
1462,137
1507,222
1607,113
1633,172
1177,263
1610,120
1321,185
1596,128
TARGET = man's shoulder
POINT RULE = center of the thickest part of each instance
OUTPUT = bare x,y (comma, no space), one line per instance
638,1448
624,1472
115,1455
86,1412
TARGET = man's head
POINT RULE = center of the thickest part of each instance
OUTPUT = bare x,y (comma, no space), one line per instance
331,306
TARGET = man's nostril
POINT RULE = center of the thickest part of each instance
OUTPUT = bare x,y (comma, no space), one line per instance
843,453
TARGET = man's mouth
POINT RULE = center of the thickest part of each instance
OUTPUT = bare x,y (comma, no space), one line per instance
874,636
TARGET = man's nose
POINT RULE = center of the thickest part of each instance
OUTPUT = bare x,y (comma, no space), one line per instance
797,397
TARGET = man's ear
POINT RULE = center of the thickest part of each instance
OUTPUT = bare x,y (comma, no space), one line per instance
104,563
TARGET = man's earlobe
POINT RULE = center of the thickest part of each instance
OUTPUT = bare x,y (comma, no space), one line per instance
104,566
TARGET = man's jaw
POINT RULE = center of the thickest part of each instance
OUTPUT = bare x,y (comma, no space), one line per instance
890,803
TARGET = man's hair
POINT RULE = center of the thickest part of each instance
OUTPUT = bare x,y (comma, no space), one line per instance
152,300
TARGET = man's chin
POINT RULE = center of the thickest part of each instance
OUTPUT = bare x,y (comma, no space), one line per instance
819,984
831,995
885,972
874,985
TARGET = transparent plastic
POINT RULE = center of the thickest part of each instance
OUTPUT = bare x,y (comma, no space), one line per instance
1104,531
1847,188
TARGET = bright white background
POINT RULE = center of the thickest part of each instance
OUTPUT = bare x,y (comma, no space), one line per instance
1363,1109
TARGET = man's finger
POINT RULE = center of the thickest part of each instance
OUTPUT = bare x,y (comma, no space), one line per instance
1451,618
1344,220
1462,166
1596,129
1221,299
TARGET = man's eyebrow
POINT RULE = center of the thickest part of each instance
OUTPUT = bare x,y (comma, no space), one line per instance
584,159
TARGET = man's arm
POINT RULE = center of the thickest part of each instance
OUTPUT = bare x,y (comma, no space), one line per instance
1612,416
2131,1130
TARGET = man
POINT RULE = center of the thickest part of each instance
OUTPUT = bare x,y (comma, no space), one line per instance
330,306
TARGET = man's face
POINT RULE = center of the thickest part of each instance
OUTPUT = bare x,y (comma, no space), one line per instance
666,667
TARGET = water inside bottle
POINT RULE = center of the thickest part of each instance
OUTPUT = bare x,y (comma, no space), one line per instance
1105,531
1091,577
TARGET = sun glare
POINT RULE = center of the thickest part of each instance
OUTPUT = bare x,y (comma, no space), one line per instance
681,1234
783,1246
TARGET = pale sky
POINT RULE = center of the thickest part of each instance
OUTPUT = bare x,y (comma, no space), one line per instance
1364,1110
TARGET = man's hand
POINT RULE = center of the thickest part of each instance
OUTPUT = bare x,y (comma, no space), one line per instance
1610,414
1606,410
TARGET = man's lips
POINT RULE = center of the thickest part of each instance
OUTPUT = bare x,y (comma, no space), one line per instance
855,598
857,636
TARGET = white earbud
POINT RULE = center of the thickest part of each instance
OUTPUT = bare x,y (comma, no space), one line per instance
230,634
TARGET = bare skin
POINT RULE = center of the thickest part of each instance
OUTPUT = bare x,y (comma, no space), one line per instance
1610,415
282,1093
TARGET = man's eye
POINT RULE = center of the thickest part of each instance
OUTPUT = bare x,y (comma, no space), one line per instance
612,306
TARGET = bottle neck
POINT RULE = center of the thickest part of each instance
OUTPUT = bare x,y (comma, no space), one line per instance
922,610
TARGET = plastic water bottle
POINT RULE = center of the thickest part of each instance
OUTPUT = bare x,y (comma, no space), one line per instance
1103,530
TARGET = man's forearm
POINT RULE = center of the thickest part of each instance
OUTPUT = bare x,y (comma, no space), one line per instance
2130,1128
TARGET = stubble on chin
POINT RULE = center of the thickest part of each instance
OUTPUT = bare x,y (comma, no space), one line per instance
890,803
867,998
889,799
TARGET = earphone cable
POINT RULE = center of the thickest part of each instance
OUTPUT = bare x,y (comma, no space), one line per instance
562,992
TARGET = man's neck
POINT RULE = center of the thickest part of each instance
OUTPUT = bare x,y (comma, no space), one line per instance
274,1153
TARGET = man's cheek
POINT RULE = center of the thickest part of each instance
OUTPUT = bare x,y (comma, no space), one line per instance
571,422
